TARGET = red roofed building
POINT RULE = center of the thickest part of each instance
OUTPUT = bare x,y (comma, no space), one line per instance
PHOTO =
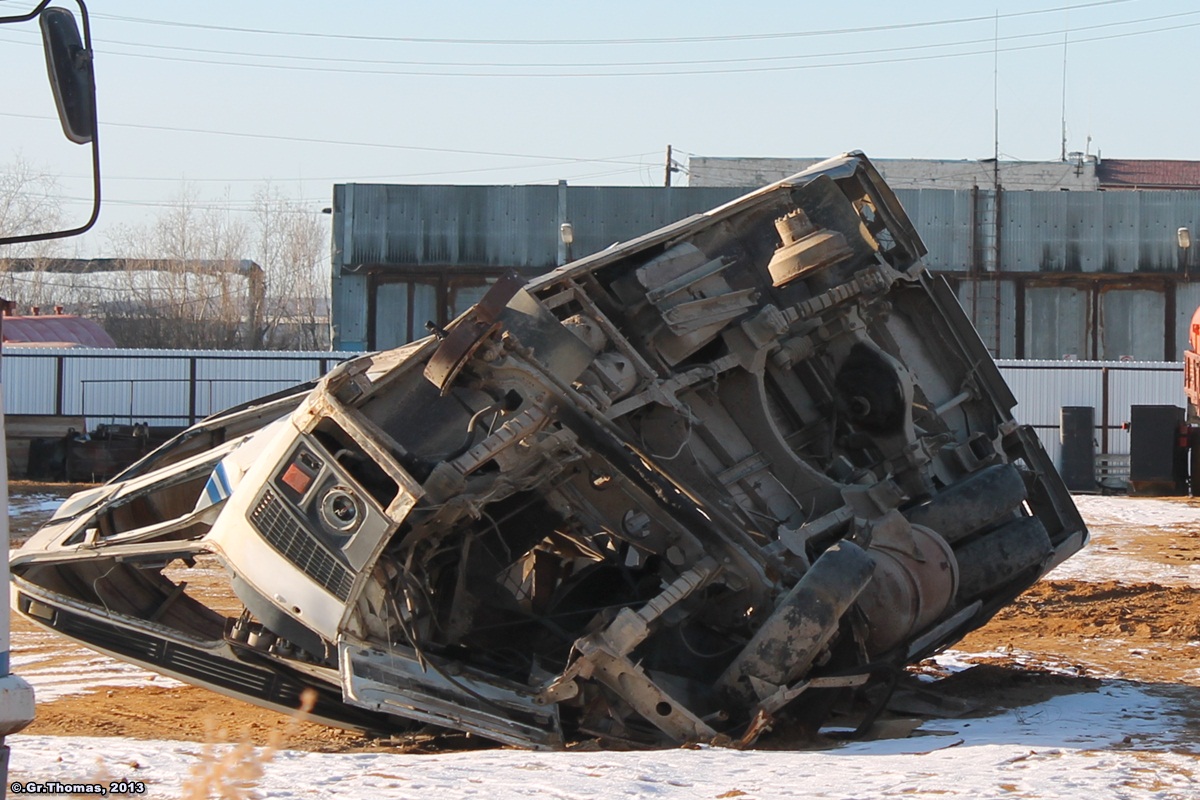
1148,174
54,330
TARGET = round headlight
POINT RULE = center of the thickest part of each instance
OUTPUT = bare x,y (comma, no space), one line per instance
341,509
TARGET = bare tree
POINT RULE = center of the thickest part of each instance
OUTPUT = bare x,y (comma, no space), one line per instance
199,274
169,295
292,248
205,286
31,202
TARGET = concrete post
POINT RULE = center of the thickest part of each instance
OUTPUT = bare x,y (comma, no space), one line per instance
16,696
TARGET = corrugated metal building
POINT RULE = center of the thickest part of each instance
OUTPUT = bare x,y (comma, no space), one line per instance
407,255
1044,274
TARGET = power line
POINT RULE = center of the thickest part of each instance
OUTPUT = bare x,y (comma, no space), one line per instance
576,42
43,279
569,65
249,206
797,67
687,72
362,178
554,161
310,140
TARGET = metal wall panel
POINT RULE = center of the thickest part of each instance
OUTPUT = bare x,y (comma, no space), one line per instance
222,382
1158,244
978,299
501,226
1094,231
518,225
434,225
1121,225
122,386
349,322
112,390
1132,325
1020,247
1043,387
29,382
943,221
1082,234
1057,323
392,326
1052,231
1047,230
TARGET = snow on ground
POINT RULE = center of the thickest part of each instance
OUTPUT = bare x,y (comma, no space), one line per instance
1140,511
1119,742
1102,560
55,667
1114,523
1123,741
41,504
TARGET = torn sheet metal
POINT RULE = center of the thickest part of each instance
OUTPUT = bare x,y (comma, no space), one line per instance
675,491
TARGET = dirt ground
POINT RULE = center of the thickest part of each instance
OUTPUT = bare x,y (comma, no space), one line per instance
1061,636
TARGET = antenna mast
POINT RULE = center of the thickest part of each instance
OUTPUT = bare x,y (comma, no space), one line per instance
996,96
1066,31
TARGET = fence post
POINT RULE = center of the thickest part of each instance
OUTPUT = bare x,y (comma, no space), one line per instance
60,371
1104,410
191,390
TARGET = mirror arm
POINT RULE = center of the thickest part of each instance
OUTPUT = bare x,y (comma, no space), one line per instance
30,15
87,44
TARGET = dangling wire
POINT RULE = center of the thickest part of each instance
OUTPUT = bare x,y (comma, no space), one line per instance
687,438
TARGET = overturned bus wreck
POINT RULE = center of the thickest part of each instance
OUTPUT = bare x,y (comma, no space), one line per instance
694,485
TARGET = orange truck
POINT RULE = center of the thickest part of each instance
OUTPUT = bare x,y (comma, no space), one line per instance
1191,369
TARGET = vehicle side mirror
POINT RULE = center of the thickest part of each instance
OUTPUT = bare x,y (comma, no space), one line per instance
69,64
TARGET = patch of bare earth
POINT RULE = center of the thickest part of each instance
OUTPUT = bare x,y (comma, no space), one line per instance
1144,632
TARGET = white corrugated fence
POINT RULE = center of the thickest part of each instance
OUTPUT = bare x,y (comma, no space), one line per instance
176,387
162,387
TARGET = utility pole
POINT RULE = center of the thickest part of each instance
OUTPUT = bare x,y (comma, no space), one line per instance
16,695
69,64
668,169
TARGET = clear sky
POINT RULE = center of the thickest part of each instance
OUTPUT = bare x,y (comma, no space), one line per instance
225,95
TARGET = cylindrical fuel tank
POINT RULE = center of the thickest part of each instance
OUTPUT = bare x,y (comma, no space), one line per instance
1194,332
914,581
994,559
977,501
792,637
